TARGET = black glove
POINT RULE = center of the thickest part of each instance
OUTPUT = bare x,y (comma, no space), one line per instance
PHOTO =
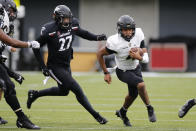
101,37
19,78
3,58
45,71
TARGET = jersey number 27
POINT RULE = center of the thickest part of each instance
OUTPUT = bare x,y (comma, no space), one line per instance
65,43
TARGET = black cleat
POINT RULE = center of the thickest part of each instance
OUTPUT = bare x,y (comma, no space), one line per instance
2,121
125,119
24,122
31,98
151,114
101,120
186,107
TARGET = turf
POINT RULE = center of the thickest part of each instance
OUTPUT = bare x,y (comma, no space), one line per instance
167,95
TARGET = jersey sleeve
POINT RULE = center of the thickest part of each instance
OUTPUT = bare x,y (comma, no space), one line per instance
42,39
110,47
81,32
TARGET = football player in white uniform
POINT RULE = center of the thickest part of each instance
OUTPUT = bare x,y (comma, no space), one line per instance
126,46
8,12
186,107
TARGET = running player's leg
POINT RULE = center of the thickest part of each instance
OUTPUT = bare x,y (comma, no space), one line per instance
186,107
12,101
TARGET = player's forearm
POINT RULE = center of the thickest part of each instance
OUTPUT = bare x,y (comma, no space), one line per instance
39,57
12,42
86,35
100,58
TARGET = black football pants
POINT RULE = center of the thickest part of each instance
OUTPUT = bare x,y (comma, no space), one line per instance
132,78
9,89
63,74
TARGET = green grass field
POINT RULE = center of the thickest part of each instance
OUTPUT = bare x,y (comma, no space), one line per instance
167,95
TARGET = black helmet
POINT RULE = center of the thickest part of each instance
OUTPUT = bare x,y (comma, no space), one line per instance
126,22
7,4
61,12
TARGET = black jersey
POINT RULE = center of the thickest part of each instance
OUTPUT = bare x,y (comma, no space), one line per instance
59,42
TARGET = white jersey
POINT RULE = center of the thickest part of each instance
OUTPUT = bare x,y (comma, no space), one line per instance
4,25
122,48
4,22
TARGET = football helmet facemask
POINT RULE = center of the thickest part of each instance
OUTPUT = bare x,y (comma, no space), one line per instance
126,22
63,17
10,8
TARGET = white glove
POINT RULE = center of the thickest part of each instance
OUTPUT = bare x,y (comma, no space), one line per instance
33,44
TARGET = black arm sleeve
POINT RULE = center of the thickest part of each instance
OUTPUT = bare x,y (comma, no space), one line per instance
86,35
142,44
42,39
39,57
110,51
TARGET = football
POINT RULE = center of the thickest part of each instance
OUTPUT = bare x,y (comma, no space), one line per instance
136,49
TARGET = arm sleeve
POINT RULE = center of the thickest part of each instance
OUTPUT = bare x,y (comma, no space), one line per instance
110,48
81,32
142,44
42,39
85,34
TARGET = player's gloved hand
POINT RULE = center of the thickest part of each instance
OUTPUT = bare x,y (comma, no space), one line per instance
3,58
19,78
45,71
101,37
33,44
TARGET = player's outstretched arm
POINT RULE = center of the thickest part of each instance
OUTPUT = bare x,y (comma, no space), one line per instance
90,36
17,43
102,52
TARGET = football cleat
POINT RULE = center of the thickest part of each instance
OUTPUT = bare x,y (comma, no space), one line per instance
101,119
2,121
124,118
186,107
151,114
24,122
31,98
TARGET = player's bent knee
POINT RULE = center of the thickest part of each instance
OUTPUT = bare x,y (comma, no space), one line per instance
140,85
64,92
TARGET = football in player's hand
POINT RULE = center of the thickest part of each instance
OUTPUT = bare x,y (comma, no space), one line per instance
136,49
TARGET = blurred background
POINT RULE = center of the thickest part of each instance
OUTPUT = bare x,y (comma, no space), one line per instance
168,26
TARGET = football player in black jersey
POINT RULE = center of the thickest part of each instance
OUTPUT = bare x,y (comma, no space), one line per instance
8,13
59,35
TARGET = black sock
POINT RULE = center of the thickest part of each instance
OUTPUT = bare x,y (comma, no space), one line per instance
123,111
14,104
19,113
82,99
53,91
